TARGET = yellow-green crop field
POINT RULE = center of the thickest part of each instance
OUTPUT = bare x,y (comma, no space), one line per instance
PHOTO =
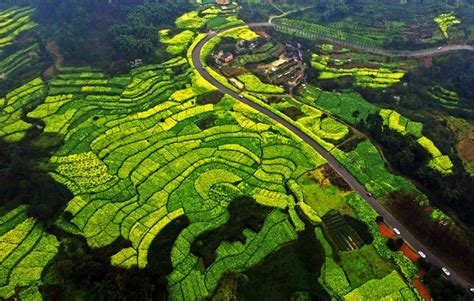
144,149
366,77
445,21
403,125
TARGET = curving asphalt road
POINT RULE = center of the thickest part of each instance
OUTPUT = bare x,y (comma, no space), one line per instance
388,217
400,53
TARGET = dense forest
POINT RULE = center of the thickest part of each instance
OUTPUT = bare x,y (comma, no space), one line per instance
104,33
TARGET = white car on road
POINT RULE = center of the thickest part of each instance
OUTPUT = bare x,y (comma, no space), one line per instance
439,48
396,231
423,255
446,271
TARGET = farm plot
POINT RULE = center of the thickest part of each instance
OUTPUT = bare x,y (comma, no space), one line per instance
327,128
350,107
362,265
152,163
324,129
368,215
403,125
25,250
254,84
20,54
341,234
14,21
313,31
219,22
12,128
17,61
365,163
260,54
178,43
390,287
333,277
440,162
365,77
446,98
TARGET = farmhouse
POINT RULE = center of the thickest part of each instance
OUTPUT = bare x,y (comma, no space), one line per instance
224,57
223,2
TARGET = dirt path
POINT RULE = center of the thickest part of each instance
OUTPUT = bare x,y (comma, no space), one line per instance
58,60
284,14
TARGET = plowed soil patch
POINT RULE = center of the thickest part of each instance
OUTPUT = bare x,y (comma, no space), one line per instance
386,231
421,289
408,252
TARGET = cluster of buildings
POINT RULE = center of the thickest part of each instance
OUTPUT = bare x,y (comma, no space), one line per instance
287,68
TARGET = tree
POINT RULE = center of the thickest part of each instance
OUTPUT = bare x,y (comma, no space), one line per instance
332,9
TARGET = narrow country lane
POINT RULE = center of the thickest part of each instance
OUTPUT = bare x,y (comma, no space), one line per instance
389,219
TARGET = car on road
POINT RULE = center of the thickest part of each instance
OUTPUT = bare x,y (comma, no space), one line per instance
422,255
369,194
471,289
446,271
241,96
439,48
396,231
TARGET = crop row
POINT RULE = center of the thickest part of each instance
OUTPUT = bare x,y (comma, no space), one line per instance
366,164
254,84
391,287
17,60
350,107
367,77
136,160
12,128
25,250
14,21
312,30
405,126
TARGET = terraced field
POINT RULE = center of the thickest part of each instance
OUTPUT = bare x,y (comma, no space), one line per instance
21,57
25,250
365,77
12,105
14,21
135,160
141,150
352,108
401,124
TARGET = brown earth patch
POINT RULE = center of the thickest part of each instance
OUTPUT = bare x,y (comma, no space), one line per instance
53,48
318,176
427,61
326,176
466,149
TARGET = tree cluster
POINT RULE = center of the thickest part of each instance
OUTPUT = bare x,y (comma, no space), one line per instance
451,241
99,32
22,182
411,159
136,37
